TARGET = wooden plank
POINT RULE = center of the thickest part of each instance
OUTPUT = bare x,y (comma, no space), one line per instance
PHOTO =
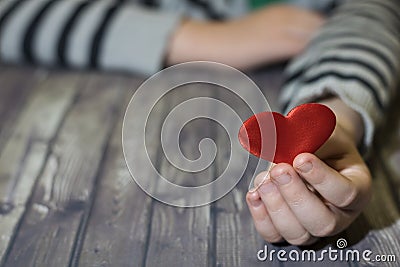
119,221
183,236
15,88
63,193
80,214
24,154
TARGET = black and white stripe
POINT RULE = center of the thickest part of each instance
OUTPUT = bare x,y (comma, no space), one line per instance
32,29
100,33
67,28
8,12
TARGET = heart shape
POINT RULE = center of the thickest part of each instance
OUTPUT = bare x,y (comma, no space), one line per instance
305,129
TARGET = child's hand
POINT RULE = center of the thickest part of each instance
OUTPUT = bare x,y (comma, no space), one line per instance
268,35
314,198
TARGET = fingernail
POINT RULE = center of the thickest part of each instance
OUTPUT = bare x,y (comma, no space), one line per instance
255,202
264,179
305,167
283,179
268,187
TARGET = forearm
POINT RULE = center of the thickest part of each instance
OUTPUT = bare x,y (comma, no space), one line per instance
200,40
269,35
222,42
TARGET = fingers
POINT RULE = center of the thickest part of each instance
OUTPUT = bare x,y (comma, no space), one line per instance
290,210
258,180
261,219
305,206
334,187
282,216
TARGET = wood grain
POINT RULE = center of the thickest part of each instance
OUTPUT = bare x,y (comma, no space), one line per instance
118,225
182,236
24,154
67,198
14,92
62,195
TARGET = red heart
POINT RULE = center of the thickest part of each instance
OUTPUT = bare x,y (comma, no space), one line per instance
305,129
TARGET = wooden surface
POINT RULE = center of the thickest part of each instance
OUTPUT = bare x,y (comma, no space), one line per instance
67,198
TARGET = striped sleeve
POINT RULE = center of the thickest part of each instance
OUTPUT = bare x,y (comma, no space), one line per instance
105,34
355,56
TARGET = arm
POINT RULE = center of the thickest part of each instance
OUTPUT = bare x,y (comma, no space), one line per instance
266,36
354,71
104,34
356,57
112,34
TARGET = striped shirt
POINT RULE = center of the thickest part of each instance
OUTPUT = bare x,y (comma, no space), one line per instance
355,56
110,34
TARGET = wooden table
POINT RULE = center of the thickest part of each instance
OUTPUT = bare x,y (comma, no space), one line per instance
66,196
